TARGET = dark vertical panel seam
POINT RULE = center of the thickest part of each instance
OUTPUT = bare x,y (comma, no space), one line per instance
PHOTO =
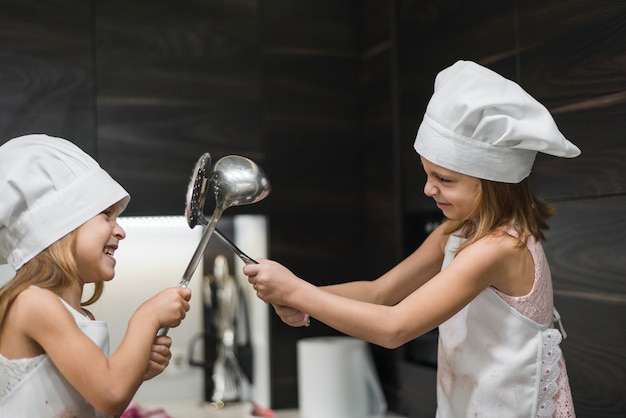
516,32
395,132
266,144
360,141
94,82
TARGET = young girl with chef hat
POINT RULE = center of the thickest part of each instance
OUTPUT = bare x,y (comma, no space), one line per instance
482,276
59,231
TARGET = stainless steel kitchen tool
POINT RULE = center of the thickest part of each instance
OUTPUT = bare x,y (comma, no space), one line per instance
235,181
243,256
228,377
194,208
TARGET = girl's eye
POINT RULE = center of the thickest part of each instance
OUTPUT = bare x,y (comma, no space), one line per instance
108,212
443,180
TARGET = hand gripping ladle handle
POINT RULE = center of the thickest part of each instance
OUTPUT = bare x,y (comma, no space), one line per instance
197,256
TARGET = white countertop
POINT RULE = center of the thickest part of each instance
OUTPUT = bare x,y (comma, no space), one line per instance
195,409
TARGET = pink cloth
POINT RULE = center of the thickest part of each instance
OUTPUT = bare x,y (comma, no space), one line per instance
537,305
136,411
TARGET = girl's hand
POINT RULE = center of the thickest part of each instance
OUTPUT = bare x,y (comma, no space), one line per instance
169,307
292,316
160,356
272,282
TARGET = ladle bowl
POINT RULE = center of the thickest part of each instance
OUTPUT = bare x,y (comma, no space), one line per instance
238,181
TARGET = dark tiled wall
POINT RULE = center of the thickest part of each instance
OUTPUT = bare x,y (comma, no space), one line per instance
326,96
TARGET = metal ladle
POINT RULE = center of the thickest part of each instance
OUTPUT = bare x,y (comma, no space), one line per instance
194,208
235,181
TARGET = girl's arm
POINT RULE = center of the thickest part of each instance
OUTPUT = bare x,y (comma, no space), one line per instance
389,288
107,383
411,273
430,303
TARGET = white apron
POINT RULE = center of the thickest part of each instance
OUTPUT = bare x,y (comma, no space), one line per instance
495,362
45,393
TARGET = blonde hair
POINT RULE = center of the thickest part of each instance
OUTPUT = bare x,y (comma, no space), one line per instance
505,205
54,269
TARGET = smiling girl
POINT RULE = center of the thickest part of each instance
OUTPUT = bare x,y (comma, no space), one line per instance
59,231
481,277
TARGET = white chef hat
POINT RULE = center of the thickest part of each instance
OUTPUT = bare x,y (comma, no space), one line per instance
481,124
48,188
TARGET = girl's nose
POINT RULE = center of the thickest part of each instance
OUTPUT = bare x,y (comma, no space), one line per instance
119,232
429,189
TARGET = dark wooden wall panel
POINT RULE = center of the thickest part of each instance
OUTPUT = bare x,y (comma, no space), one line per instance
587,241
380,137
175,80
310,121
381,176
594,353
575,66
46,76
586,245
327,96
599,171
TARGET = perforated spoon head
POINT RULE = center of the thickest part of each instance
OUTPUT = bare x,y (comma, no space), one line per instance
196,191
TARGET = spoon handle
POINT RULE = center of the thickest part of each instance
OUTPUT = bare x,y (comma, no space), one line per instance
244,257
197,256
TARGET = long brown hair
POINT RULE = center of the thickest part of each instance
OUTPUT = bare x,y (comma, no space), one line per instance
54,269
505,205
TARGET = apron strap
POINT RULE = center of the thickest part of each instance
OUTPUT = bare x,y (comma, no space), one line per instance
556,319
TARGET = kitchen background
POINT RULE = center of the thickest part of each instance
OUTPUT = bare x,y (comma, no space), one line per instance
326,96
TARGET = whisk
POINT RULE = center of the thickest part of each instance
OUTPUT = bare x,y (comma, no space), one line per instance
228,377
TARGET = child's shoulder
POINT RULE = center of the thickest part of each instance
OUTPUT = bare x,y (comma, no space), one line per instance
34,313
498,244
36,292
38,302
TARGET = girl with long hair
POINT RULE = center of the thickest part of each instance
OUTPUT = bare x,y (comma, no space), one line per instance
481,277
59,232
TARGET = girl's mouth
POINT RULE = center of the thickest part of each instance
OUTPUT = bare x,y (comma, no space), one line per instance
110,250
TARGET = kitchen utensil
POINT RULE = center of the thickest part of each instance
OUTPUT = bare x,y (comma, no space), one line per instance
204,348
243,256
228,378
194,208
235,181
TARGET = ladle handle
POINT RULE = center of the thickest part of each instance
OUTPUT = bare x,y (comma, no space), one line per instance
243,256
197,256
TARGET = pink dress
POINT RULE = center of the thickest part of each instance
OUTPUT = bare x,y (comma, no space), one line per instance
534,306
